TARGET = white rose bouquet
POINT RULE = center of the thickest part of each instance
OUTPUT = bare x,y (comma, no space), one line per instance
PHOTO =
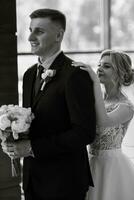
15,122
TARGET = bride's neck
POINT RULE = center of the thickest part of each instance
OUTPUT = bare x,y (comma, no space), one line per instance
112,94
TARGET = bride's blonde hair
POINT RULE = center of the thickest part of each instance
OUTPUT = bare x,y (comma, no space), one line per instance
122,65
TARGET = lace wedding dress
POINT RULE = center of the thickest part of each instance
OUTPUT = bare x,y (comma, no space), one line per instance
112,170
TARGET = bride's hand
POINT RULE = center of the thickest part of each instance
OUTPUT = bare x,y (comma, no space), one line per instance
87,68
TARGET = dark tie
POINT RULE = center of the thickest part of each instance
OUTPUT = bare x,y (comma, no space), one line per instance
38,80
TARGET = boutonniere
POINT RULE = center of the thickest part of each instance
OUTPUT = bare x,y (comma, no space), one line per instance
47,76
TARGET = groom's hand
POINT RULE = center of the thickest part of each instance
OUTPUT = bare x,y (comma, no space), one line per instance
17,149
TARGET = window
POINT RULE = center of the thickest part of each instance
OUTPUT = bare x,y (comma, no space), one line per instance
83,30
122,24
92,25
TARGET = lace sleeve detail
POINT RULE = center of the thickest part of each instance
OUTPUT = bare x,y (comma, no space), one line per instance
114,106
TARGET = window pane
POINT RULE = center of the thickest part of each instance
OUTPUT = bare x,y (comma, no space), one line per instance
122,24
83,29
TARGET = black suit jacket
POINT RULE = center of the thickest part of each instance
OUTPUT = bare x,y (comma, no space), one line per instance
64,124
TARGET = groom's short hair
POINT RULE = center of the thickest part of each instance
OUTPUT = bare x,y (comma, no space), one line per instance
55,16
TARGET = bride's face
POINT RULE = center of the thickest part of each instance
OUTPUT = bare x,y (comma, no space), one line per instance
105,71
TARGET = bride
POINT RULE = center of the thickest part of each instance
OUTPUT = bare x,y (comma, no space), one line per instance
112,171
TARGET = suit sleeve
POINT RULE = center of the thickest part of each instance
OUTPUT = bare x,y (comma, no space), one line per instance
81,106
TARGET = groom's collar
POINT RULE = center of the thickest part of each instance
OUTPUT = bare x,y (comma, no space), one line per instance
47,63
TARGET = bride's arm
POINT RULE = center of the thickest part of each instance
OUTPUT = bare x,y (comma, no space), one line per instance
121,114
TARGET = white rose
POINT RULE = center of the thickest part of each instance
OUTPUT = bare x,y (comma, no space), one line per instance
48,72
19,126
3,109
4,122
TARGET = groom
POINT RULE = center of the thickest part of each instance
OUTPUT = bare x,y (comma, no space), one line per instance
56,162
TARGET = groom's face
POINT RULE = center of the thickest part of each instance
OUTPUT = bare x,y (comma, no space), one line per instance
43,36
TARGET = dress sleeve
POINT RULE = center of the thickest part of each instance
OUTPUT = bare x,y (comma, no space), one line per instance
126,107
129,105
118,113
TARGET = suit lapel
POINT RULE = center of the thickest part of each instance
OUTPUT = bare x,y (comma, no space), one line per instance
29,83
58,62
57,65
